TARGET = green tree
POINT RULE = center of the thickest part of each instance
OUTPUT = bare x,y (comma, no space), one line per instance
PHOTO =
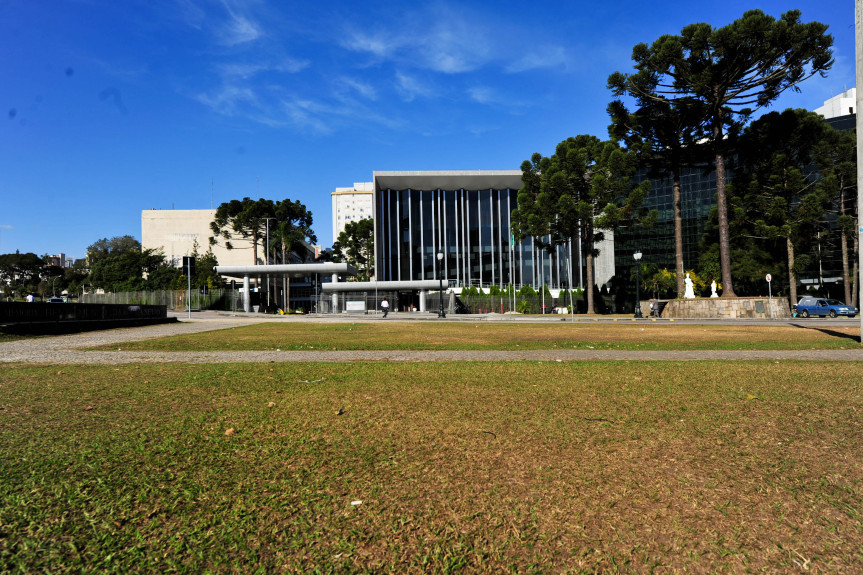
21,272
356,246
246,218
778,185
664,135
205,276
586,187
836,158
293,229
728,70
119,265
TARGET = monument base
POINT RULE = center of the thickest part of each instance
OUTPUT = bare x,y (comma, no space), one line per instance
723,308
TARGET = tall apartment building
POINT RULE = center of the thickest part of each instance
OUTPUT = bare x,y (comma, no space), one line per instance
351,204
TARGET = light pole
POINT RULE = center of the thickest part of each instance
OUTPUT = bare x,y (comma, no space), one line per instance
637,257
440,312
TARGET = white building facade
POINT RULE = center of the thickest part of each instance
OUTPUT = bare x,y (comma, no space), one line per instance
351,205
175,233
842,105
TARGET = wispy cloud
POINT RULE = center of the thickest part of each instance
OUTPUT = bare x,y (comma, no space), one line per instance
247,70
482,95
238,29
229,99
547,57
409,87
441,39
364,89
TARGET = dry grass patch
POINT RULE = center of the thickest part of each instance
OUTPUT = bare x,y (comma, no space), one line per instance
548,467
503,336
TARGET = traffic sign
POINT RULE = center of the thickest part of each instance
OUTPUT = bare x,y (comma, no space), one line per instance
769,278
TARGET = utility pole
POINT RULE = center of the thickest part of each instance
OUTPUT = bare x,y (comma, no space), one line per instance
858,41
267,259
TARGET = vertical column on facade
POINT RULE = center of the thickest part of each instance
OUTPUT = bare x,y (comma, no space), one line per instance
492,234
500,241
510,238
398,236
247,297
466,203
479,223
335,297
410,235
457,260
444,229
422,238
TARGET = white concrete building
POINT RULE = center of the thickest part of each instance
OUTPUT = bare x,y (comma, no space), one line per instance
176,231
841,105
351,204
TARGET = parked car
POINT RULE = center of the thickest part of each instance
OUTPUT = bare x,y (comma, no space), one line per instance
824,307
55,299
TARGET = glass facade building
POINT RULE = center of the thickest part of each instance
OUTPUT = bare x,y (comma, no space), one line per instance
466,217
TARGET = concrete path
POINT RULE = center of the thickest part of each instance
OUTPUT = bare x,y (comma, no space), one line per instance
71,349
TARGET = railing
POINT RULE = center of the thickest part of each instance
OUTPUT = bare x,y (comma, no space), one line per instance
173,299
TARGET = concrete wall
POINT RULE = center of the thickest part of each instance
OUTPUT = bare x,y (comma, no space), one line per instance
175,232
724,308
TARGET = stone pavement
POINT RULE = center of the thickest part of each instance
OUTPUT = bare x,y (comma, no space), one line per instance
72,349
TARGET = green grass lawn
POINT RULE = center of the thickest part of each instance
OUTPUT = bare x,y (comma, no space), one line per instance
504,336
472,467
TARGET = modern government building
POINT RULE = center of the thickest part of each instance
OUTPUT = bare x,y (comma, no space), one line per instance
454,227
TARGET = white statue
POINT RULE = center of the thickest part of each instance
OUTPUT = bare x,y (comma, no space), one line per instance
713,289
689,294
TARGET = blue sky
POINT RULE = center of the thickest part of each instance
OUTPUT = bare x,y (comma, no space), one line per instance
112,107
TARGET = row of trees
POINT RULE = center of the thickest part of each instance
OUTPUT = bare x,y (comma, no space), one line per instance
687,104
114,265
285,227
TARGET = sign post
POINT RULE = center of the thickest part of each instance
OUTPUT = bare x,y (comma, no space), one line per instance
189,264
770,294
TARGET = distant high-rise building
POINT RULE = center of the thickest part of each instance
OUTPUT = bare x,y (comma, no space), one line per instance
844,104
350,205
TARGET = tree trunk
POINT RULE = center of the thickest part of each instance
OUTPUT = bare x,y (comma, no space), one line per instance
678,234
589,265
724,241
855,288
792,277
845,271
722,210
588,241
284,278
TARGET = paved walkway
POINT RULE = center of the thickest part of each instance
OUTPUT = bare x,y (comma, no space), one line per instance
72,349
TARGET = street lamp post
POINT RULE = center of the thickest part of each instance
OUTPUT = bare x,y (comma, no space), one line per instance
637,257
440,312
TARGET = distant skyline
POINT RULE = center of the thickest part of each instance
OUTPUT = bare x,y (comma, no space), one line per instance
111,108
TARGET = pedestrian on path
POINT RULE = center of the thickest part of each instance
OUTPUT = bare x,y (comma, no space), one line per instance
385,306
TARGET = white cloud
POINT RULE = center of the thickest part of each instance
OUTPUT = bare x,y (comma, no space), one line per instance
547,57
245,71
238,29
228,99
482,95
409,87
363,89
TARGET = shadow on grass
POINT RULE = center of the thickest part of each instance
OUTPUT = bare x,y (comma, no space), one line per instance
830,332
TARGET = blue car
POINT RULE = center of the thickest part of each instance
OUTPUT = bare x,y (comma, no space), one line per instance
824,307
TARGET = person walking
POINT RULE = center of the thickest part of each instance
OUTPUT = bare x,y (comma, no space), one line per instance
385,306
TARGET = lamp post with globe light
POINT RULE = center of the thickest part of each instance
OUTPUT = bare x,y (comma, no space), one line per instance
440,312
637,257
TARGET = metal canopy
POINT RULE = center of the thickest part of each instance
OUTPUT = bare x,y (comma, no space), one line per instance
383,286
293,270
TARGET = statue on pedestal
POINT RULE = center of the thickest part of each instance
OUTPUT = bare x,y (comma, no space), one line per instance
713,289
689,294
